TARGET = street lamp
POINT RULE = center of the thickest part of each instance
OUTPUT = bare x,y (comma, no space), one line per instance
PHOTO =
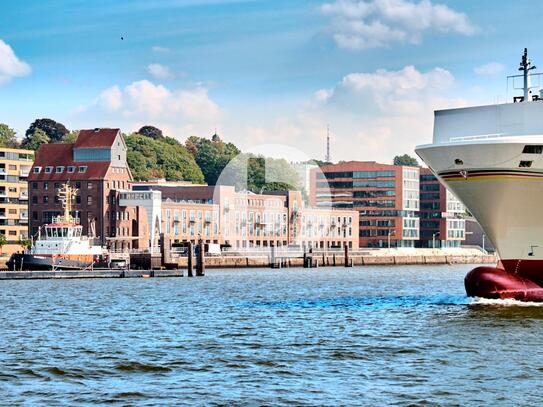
434,239
390,233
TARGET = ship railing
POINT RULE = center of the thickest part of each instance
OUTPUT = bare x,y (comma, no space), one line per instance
477,137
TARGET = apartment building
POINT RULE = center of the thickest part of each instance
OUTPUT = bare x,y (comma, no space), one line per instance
442,221
15,166
386,198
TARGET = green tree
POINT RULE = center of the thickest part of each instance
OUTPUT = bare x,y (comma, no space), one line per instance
3,242
151,131
70,137
212,156
259,174
25,243
165,158
54,130
405,160
35,140
8,137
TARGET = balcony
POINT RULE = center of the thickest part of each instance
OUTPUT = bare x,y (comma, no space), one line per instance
23,196
24,173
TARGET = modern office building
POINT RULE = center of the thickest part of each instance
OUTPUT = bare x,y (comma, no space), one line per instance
15,166
442,221
385,196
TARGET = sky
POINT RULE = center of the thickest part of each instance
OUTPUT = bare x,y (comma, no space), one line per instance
263,71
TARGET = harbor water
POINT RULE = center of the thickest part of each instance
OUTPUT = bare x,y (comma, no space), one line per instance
400,335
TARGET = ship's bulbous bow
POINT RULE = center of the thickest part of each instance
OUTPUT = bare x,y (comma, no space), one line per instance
496,283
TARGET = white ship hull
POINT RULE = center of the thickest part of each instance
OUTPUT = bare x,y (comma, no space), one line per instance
507,200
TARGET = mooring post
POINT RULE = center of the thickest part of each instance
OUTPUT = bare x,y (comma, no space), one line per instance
272,263
189,260
200,259
346,255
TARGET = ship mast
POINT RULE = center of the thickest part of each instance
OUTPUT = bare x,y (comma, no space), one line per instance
526,66
66,195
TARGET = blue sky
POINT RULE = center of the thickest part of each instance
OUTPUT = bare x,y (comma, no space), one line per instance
262,71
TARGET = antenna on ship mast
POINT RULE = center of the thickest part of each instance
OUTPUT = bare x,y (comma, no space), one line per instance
328,158
526,66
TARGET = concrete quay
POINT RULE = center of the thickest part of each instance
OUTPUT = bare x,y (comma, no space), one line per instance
67,274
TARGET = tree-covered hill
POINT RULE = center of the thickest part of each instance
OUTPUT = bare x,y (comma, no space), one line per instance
150,158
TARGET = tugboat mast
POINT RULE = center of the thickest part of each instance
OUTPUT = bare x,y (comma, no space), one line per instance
526,66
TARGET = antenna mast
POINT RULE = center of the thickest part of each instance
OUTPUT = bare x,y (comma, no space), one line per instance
328,158
526,66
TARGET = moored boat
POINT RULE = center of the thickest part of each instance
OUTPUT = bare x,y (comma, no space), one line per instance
61,244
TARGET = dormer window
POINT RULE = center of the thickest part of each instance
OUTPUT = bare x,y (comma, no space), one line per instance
37,170
48,169
71,169
60,169
82,168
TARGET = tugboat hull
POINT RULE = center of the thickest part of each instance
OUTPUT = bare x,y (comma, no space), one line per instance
27,262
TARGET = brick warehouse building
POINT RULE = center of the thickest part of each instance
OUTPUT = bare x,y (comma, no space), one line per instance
386,197
96,165
441,214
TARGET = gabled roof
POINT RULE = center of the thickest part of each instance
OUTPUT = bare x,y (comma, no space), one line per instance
61,155
96,138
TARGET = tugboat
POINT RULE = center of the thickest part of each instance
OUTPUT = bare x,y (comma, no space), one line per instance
61,245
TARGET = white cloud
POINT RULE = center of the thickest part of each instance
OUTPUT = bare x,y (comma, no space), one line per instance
160,50
111,98
10,65
372,116
492,68
159,71
178,112
362,24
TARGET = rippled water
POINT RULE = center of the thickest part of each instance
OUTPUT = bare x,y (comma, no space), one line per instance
364,336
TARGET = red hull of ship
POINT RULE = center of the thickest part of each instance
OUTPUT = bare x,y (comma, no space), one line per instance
511,279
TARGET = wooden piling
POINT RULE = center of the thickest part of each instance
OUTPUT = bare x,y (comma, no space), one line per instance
200,260
189,261
346,248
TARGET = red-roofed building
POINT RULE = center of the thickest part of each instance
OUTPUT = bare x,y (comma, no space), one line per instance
96,165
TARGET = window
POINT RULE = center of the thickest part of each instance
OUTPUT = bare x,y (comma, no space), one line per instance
60,169
13,167
78,199
89,200
82,168
48,169
34,185
89,185
34,199
46,186
532,150
78,185
525,164
45,199
37,170
71,169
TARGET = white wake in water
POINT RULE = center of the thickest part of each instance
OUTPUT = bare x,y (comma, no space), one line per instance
505,303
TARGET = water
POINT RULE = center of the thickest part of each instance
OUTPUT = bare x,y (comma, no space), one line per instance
364,336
